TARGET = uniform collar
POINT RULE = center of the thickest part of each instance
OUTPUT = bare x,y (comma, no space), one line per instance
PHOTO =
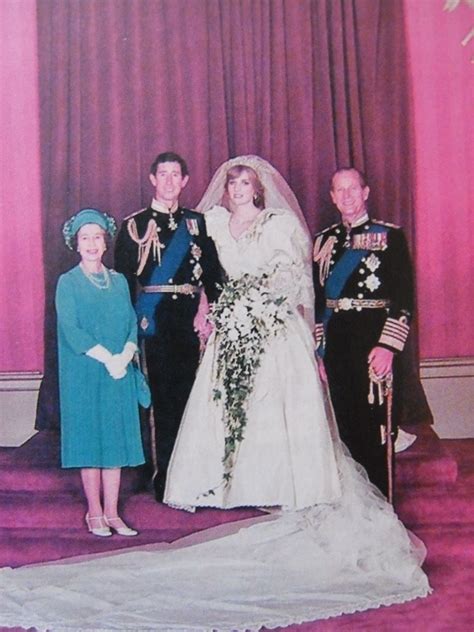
162,208
359,222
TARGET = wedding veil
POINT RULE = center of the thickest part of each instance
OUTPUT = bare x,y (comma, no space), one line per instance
277,191
278,195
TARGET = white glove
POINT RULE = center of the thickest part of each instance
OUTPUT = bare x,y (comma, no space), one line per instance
113,363
116,367
99,353
128,352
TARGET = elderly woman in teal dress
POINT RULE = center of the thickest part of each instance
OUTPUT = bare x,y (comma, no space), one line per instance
97,340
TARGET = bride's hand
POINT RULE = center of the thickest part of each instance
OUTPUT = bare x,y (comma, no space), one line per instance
202,326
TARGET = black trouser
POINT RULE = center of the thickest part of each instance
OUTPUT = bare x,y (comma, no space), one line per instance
172,358
350,338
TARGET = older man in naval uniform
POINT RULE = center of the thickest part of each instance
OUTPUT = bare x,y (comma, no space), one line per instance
364,301
168,260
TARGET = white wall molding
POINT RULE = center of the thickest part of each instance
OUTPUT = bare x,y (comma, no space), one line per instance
449,387
18,400
448,384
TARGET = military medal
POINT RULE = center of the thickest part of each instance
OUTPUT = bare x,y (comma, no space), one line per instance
372,262
196,251
193,227
172,225
347,240
197,271
369,241
372,282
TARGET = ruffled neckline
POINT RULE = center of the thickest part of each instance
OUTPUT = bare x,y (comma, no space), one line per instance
253,231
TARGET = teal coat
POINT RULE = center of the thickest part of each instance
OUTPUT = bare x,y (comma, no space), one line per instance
100,424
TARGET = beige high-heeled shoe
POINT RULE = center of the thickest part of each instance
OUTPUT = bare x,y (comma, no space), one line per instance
97,526
117,524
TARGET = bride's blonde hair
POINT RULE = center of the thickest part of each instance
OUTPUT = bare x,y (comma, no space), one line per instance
235,172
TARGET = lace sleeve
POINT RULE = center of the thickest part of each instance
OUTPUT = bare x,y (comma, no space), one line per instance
290,261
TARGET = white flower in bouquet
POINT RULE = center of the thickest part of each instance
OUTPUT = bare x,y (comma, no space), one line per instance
233,334
253,295
247,314
259,310
240,310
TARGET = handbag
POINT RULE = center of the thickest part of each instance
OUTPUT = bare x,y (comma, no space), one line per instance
141,387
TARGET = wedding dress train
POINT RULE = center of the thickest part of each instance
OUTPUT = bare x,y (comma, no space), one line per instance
275,570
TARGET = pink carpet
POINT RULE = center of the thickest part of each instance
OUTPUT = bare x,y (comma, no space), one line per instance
41,518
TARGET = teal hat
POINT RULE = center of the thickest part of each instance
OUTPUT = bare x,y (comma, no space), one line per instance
87,216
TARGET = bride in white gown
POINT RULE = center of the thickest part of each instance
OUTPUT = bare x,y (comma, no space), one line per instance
338,548
284,455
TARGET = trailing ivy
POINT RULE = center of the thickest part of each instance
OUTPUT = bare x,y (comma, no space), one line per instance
247,314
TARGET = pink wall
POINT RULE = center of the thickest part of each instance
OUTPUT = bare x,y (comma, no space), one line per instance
443,91
21,265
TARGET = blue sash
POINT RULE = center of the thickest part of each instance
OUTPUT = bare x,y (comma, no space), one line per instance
171,261
340,275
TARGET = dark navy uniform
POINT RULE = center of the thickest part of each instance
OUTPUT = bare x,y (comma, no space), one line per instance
364,298
172,353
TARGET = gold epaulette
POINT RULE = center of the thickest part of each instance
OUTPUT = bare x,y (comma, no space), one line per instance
133,214
387,224
321,232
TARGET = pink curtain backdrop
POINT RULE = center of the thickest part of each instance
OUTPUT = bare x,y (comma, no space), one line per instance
308,85
21,263
305,149
443,93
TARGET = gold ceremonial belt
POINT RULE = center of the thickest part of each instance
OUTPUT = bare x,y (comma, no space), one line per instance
186,288
345,304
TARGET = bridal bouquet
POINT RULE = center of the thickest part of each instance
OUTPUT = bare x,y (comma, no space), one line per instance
247,314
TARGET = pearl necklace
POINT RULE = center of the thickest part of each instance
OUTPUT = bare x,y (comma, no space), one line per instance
101,284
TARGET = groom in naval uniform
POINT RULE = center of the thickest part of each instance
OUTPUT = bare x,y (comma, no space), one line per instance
168,260
364,302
